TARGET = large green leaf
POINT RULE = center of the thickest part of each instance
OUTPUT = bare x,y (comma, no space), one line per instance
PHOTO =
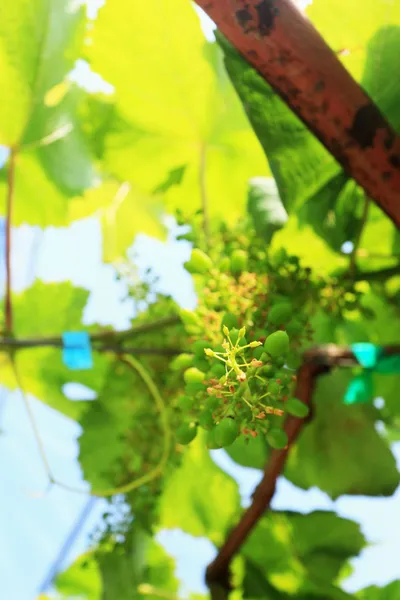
81,580
265,207
123,211
340,451
46,310
39,43
179,105
389,592
199,497
134,565
53,160
300,554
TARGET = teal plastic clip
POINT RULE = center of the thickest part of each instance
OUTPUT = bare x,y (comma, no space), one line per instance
373,360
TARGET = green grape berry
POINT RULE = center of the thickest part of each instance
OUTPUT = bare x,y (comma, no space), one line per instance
206,420
182,361
191,389
199,346
296,407
280,313
185,403
277,438
189,317
294,327
274,388
239,260
193,375
200,262
211,441
280,362
277,343
230,321
211,403
258,352
226,432
186,433
218,370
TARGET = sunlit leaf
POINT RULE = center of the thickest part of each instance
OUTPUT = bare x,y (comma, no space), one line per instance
180,107
199,498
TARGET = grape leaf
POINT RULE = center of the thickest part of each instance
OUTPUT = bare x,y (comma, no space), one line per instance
265,207
39,43
180,107
389,592
56,308
82,579
199,497
340,468
299,555
137,563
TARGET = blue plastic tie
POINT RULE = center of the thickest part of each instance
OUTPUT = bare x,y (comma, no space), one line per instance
77,350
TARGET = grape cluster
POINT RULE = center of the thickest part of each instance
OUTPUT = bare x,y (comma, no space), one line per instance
246,337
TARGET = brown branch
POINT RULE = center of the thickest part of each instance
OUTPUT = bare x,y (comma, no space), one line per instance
9,211
289,53
102,337
217,574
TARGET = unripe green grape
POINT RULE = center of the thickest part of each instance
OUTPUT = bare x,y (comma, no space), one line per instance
268,371
185,403
186,433
239,260
218,370
191,389
199,262
189,317
230,320
212,403
294,327
226,432
211,441
199,346
280,313
193,375
296,407
258,352
277,438
182,361
201,364
274,388
225,264
279,361
206,420
277,343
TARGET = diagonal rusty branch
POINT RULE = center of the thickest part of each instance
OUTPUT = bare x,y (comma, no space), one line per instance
289,53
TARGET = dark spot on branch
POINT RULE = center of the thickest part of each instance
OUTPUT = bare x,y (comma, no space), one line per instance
394,160
386,175
244,17
367,121
319,86
267,13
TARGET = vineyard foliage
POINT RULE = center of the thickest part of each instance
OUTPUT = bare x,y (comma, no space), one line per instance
287,253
